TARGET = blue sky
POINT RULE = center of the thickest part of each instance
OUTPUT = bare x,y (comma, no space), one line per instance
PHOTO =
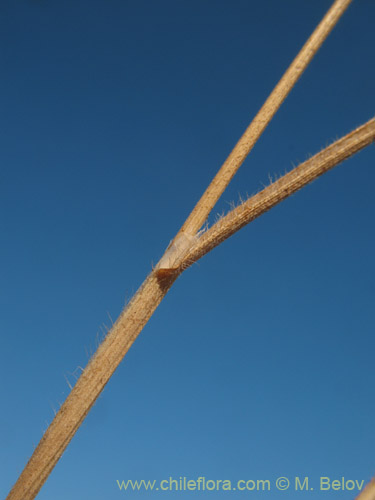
259,362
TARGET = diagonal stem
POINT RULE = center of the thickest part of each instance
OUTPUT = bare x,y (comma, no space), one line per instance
208,200
132,320
368,493
89,386
280,190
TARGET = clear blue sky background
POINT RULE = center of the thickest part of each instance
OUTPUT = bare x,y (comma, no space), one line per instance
260,362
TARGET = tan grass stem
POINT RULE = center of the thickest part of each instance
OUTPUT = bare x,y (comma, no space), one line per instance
132,320
279,190
187,248
209,198
88,387
368,493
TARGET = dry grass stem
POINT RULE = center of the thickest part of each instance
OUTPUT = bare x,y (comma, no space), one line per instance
88,387
208,200
368,493
187,247
281,189
139,310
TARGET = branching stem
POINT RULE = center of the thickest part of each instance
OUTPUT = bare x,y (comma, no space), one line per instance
188,247
221,180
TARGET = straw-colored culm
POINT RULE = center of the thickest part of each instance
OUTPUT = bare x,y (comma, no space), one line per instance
189,245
